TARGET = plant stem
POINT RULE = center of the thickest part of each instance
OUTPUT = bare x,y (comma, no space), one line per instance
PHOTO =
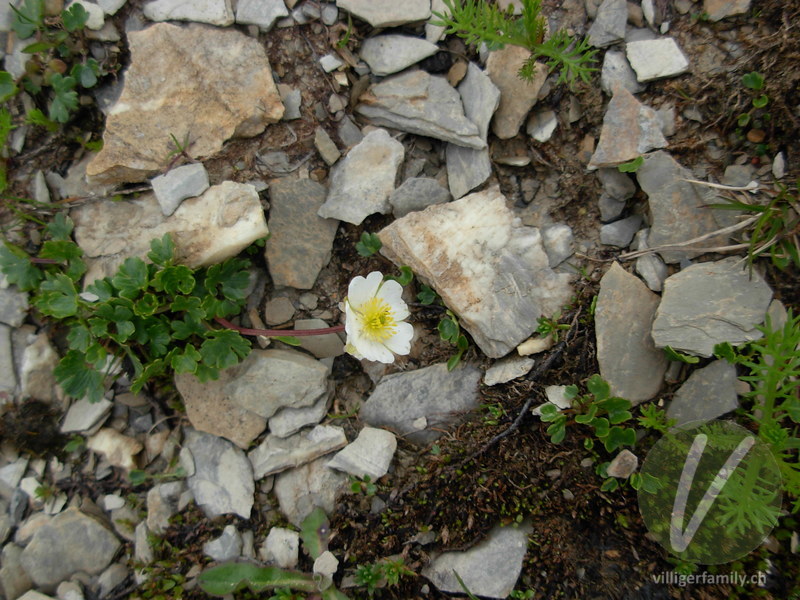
279,332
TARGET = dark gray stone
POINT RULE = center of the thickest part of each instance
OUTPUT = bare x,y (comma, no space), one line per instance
417,193
609,26
620,233
709,393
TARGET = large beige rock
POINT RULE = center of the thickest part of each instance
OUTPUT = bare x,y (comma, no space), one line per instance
206,230
491,270
198,83
517,96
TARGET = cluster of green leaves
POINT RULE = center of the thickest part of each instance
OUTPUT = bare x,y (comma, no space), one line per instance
154,316
375,576
368,245
773,372
363,485
551,326
231,577
448,327
494,411
775,230
480,21
755,117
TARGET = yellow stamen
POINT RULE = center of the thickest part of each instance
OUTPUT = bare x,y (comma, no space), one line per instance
377,320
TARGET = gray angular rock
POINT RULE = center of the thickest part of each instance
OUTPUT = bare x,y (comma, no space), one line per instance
489,569
8,377
197,82
349,132
417,102
438,396
227,546
677,208
162,505
281,548
617,185
652,269
709,303
278,310
610,209
620,233
559,243
656,59
326,147
83,415
206,230
14,581
623,465
609,25
387,54
480,97
288,421
629,130
707,394
223,477
301,241
13,303
277,454
263,13
618,71
628,359
417,193
213,12
299,491
542,124
387,13
360,184
369,454
292,101
720,9
488,268
507,369
10,476
51,555
178,184
36,376
467,168
517,96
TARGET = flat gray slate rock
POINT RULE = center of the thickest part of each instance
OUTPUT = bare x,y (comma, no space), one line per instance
417,193
388,54
418,404
628,359
655,59
609,26
709,393
223,477
387,13
417,102
709,303
489,569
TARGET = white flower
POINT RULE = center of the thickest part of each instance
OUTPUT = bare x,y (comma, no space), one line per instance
374,313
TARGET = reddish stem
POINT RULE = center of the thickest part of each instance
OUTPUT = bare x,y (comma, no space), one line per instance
278,332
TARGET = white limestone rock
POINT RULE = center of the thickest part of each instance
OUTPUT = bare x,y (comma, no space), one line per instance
387,13
277,454
656,59
369,454
213,12
263,13
387,54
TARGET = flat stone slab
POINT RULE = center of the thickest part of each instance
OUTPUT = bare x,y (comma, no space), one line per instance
609,26
197,83
629,130
52,557
84,415
387,13
508,369
491,270
417,102
361,184
277,454
656,59
388,54
419,404
369,454
677,207
517,96
467,168
206,230
214,12
489,569
707,394
709,303
628,359
260,12
301,241
223,477
299,491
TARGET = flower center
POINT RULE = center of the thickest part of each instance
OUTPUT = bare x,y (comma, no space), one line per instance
377,320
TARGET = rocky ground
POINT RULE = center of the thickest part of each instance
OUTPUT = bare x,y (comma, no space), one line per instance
503,196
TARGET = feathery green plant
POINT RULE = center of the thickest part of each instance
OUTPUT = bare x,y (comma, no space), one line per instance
478,21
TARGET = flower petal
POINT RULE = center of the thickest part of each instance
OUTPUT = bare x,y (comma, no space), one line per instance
392,293
375,351
362,289
400,342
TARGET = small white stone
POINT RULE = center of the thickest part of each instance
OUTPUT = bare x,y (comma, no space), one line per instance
535,345
281,548
542,124
779,166
326,564
623,465
654,59
329,63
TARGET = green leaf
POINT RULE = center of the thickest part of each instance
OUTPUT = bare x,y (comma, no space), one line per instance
61,251
96,355
405,277
174,280
137,477
187,327
37,47
162,251
743,120
598,387
631,166
618,437
101,288
461,343
231,577
601,426
558,430
57,297
571,391
158,337
146,305
150,371
548,412
588,417
79,338
230,277
760,101
28,18
609,485
191,305
18,268
674,355
78,378
753,80
8,87
454,360
369,244
426,295
617,409
60,229
186,361
314,532
224,348
85,73
6,125
725,351
74,17
65,97
131,278
448,330
288,339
